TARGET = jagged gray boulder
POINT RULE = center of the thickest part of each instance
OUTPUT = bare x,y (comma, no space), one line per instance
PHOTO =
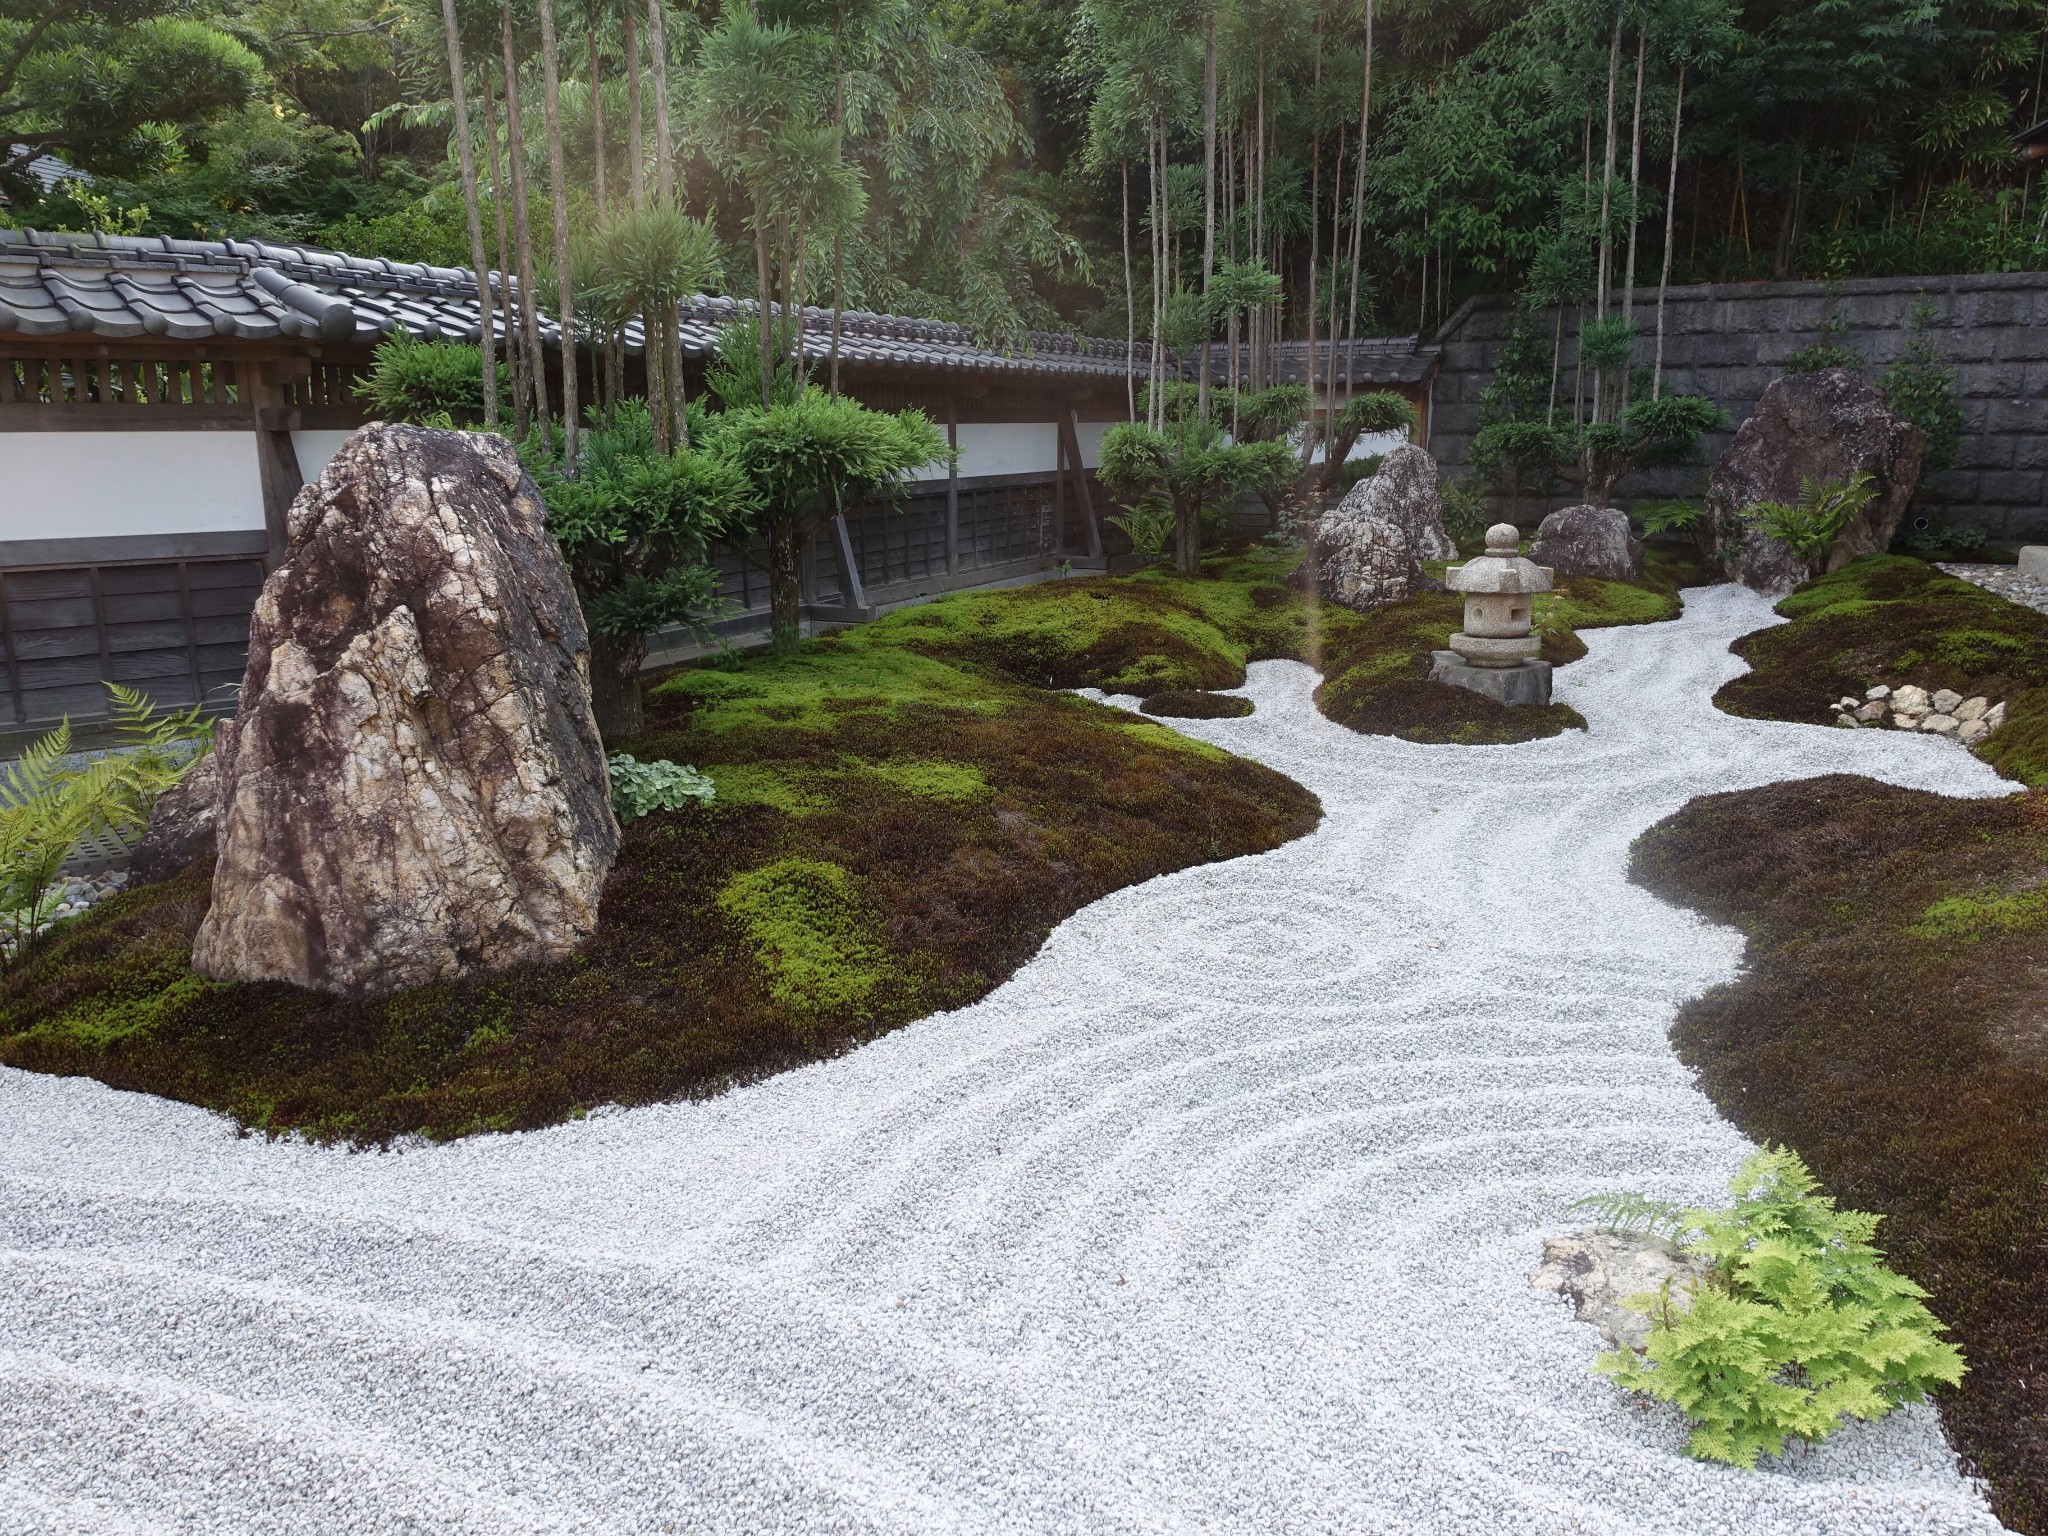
1405,491
1822,427
412,787
1361,562
181,825
1589,541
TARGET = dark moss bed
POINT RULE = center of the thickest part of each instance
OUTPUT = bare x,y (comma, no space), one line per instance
1894,619
1194,704
1892,1026
903,813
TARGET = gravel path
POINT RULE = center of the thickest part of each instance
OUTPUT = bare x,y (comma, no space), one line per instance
2005,580
1218,1216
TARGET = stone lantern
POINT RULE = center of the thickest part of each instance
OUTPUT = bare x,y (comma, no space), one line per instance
1496,652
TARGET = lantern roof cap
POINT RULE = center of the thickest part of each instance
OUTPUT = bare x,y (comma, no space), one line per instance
1501,568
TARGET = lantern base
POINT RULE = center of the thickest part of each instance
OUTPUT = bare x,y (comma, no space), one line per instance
1528,683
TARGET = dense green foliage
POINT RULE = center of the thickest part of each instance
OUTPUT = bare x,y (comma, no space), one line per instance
1887,1025
433,384
638,788
50,802
1809,526
990,153
1189,466
1798,1325
1918,388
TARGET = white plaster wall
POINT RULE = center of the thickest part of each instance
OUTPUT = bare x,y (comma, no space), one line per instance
1089,434
1009,447
314,449
84,485
1369,443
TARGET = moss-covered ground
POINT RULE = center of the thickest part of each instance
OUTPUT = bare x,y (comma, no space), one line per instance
1894,619
903,812
1892,1026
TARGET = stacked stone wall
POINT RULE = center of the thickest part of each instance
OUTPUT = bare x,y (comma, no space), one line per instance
1729,340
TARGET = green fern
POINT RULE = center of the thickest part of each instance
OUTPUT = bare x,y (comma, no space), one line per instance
1811,525
1148,524
1624,1213
1799,1326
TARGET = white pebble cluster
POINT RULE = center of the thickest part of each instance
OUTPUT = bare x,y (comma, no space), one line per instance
1217,1217
1944,713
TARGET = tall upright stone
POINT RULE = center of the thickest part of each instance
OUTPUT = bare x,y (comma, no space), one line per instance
413,787
1405,491
1822,427
1367,551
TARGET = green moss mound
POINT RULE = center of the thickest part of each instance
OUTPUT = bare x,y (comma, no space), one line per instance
1193,704
1891,1026
1894,619
893,834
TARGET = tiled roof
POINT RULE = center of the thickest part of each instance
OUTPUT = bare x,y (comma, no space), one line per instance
115,286
1370,360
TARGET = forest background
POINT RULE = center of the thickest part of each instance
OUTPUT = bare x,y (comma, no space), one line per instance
1311,166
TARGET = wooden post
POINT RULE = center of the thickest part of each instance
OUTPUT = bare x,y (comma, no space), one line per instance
1070,454
952,485
277,461
851,591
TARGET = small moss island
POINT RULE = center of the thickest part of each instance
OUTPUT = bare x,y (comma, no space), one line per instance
903,812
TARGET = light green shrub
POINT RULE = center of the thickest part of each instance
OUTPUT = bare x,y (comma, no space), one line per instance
1798,1326
638,787
1811,525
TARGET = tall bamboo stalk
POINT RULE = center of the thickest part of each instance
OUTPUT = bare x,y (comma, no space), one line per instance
1131,310
1670,209
473,211
1208,206
1312,427
1358,197
1635,177
636,140
1607,187
522,223
558,200
515,343
664,150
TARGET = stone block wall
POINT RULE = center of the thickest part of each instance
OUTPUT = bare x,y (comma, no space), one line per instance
1729,340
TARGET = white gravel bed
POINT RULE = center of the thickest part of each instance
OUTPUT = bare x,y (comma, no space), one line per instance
2005,580
1217,1217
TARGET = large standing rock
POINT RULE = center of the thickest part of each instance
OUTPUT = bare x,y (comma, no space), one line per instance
1404,491
181,824
1589,541
1361,562
413,786
1824,427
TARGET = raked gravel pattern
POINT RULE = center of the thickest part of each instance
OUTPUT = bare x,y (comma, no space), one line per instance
1219,1216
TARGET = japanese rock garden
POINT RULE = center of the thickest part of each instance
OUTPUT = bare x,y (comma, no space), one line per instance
1088,766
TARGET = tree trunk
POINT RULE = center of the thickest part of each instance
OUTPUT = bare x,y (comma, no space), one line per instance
615,686
1358,197
1336,241
1131,309
1187,536
597,155
636,140
838,234
784,598
1311,429
1208,207
1670,209
558,199
678,392
522,225
1635,177
664,149
473,211
1606,194
762,305
515,348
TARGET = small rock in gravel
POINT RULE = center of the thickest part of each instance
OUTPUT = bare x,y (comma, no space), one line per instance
1970,732
1910,697
1598,1271
1881,691
1940,725
1945,701
1874,710
1972,709
1994,717
1906,722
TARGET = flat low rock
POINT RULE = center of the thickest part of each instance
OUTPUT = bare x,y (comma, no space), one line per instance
413,787
1589,541
1597,1272
1822,427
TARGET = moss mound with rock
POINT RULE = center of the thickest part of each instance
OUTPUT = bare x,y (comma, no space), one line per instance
1891,1025
1893,619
